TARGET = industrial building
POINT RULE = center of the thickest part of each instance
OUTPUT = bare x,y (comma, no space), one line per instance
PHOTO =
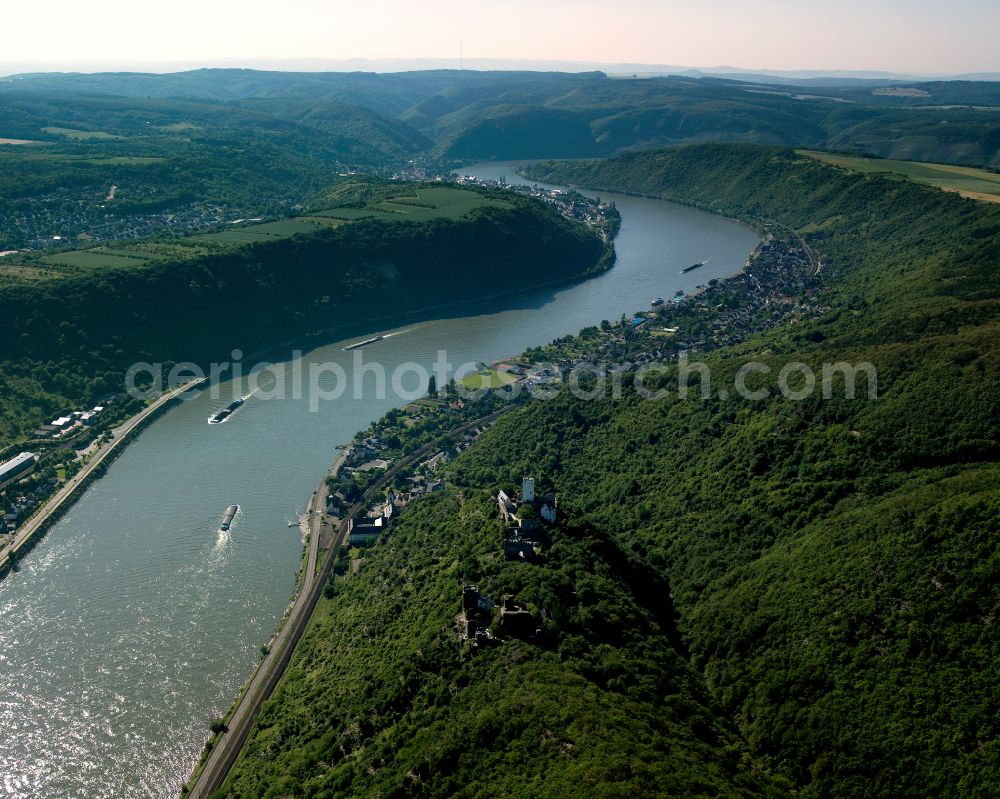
17,466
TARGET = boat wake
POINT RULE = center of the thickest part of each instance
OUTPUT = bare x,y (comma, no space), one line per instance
221,417
365,343
223,539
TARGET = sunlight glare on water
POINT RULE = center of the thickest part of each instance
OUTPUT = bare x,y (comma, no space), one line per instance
135,622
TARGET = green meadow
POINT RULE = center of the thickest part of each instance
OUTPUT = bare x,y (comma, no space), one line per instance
81,135
266,231
19,159
437,202
977,184
97,258
487,378
423,204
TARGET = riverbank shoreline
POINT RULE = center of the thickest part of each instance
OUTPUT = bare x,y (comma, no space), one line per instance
32,531
36,527
310,525
223,749
752,222
223,772
427,313
496,328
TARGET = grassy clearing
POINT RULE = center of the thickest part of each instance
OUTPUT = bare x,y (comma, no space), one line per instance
976,184
438,202
124,160
17,141
435,197
81,135
162,250
268,231
428,402
20,273
177,127
98,258
488,378
325,221
237,236
35,156
354,214
424,204
285,227
142,253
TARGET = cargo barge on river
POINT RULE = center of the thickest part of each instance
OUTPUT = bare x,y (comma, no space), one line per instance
228,516
364,343
225,413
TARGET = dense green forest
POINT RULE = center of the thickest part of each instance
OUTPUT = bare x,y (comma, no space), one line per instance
68,338
470,115
382,700
743,597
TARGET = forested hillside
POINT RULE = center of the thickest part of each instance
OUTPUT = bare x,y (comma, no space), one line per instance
325,130
778,596
70,336
470,115
382,700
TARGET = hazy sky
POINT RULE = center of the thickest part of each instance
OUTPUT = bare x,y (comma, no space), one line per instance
897,35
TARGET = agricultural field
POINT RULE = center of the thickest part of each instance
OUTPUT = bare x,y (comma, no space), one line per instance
423,204
120,160
130,255
976,184
141,253
267,231
350,214
437,202
81,135
12,272
169,250
50,155
97,258
177,127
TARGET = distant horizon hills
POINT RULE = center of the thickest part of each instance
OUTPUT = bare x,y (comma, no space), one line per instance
814,77
469,115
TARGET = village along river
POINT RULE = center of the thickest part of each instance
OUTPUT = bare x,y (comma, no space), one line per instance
133,623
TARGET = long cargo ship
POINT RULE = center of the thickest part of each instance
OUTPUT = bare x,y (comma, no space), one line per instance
225,413
229,515
691,268
364,343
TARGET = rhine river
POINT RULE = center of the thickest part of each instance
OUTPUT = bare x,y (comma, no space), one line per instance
134,623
